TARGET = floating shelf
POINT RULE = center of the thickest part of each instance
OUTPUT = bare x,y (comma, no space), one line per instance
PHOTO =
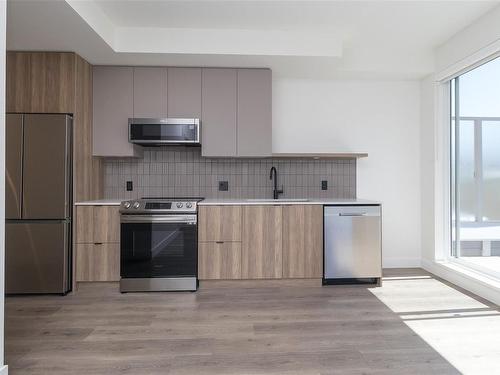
322,155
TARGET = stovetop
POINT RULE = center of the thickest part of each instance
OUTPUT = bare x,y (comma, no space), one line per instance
160,205
192,199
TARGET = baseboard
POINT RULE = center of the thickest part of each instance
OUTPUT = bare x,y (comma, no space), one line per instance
4,370
470,280
262,283
401,263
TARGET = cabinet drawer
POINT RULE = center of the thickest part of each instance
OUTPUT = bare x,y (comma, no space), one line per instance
219,260
106,224
219,223
98,262
97,224
84,228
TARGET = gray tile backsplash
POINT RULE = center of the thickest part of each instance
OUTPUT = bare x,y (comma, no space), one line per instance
181,171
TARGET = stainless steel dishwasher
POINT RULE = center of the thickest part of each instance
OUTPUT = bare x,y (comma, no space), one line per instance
352,244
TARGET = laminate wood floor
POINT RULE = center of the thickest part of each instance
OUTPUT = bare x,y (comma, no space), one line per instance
270,330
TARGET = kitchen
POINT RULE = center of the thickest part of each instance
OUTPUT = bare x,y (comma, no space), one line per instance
201,213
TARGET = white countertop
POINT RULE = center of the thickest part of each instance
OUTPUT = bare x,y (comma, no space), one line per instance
100,202
247,202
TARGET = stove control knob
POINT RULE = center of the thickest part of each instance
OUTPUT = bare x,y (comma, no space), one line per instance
126,204
189,205
179,204
136,205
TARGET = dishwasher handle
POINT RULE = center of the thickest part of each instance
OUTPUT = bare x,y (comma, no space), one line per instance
352,211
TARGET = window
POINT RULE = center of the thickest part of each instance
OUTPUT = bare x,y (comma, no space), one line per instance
475,167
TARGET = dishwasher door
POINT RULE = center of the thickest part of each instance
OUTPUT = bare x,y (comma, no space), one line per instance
353,243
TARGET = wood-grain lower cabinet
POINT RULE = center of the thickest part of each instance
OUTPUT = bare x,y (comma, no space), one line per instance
219,242
219,260
261,253
97,243
219,223
303,241
98,262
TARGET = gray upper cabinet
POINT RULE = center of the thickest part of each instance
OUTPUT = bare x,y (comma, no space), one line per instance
234,106
219,123
184,92
254,112
113,104
150,92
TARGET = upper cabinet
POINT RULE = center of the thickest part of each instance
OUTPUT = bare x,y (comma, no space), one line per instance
237,112
219,122
40,82
150,92
113,106
184,92
234,106
254,112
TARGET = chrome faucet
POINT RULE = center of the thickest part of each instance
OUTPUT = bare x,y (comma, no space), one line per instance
276,192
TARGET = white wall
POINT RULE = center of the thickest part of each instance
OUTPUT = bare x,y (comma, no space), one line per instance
3,5
479,35
427,166
381,118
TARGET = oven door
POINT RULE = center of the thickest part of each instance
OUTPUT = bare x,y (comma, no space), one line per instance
158,246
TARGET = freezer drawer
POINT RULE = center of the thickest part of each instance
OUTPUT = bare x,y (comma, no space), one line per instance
353,244
37,257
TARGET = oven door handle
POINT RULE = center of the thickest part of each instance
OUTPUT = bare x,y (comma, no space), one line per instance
174,219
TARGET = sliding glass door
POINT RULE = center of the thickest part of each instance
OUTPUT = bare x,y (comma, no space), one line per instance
475,167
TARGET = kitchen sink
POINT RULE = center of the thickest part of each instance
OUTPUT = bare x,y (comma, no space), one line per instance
279,200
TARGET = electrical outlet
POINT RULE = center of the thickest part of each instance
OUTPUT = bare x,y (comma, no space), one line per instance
223,186
130,186
324,185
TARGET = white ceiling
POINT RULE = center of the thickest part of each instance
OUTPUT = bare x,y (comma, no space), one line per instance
354,39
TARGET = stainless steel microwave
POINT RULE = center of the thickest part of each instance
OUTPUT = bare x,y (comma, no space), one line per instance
164,131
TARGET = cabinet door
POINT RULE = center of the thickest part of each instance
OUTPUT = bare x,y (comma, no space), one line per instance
53,81
113,104
18,89
150,92
40,82
106,224
184,92
219,112
261,254
219,260
219,223
303,241
254,112
97,262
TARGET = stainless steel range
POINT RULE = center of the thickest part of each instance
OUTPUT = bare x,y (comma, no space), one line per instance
159,244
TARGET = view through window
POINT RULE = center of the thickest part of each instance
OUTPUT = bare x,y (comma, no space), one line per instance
475,167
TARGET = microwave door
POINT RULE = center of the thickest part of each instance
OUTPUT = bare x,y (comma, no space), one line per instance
164,131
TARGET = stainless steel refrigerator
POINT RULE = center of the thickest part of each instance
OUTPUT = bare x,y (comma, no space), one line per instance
38,203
